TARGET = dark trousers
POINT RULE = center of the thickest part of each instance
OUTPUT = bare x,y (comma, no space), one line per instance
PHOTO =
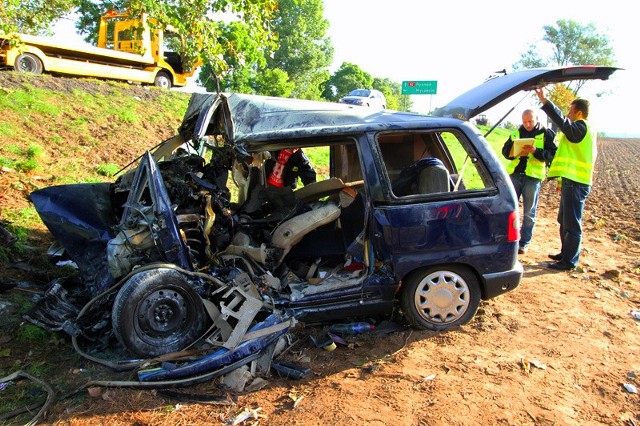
572,198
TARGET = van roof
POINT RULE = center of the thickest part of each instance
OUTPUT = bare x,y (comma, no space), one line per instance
258,120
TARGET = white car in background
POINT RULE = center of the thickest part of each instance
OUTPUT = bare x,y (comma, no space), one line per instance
365,97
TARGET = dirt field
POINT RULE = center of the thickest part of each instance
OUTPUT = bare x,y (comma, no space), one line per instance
558,350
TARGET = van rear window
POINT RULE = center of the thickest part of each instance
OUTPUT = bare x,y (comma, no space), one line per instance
435,162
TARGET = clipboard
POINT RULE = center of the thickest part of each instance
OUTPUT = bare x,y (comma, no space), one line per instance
518,144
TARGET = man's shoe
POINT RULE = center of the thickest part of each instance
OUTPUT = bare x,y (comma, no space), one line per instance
523,250
555,256
561,266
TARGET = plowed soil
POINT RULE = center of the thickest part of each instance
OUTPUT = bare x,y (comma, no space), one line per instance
556,351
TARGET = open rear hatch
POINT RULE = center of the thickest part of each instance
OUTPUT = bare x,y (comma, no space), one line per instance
497,89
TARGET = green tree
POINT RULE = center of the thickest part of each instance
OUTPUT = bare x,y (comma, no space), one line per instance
296,67
244,58
33,16
530,59
304,52
406,104
246,66
571,43
347,78
274,82
196,20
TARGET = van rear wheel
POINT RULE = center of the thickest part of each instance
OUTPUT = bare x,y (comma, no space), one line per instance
163,79
28,62
441,297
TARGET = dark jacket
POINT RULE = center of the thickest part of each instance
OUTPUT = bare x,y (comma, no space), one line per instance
575,131
545,154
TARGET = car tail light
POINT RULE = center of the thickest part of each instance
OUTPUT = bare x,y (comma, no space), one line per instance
513,233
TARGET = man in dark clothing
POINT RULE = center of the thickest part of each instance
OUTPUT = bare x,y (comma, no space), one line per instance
286,165
527,169
573,166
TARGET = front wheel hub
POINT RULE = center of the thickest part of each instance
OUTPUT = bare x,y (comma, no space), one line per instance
162,312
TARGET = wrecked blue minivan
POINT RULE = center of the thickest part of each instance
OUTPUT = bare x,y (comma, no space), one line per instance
414,214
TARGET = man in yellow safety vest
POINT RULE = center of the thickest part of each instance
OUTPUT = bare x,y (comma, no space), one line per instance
527,168
573,166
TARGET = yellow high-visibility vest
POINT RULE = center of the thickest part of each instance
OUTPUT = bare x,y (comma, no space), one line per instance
575,160
535,168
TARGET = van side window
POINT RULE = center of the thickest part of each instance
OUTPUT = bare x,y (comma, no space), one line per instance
469,172
426,163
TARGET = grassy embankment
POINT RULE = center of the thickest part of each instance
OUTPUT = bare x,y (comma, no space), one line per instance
80,131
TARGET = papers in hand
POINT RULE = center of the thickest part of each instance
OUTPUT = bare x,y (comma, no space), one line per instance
518,145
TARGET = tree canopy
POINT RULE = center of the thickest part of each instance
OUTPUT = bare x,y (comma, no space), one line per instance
244,59
304,52
296,66
569,43
197,21
34,16
347,78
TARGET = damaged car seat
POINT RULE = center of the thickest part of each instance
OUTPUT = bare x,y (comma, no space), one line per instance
428,175
293,230
333,239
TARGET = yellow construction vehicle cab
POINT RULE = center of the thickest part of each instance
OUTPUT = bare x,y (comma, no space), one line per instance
129,48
